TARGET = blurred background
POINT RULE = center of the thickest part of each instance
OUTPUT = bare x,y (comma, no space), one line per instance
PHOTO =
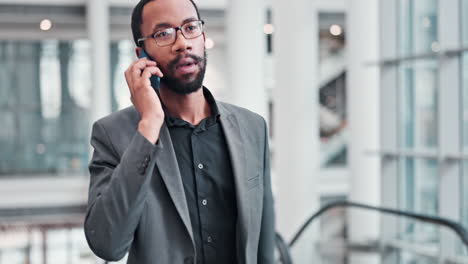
366,100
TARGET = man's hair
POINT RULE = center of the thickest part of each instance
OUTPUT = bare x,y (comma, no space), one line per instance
137,20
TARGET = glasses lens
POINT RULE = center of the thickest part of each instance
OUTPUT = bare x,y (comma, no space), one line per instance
165,37
192,29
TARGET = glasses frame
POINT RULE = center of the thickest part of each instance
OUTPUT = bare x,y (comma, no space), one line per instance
151,36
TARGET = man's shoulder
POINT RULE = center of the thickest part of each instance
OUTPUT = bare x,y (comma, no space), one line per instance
125,117
241,113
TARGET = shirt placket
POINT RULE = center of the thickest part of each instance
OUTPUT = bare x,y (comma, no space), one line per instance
203,198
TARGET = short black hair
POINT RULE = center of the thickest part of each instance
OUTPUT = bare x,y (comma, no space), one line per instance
136,18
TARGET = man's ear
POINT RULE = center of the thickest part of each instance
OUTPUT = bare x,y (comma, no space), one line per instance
137,51
204,37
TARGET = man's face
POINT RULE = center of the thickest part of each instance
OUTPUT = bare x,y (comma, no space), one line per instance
184,62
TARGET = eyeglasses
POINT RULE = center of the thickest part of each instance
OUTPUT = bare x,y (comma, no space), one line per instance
168,36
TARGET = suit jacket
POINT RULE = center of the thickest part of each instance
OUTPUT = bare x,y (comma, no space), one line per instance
137,203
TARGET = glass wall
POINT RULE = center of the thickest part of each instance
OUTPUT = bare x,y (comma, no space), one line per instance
47,245
122,55
411,258
424,125
464,72
417,119
418,105
464,21
44,97
418,183
464,209
418,26
46,115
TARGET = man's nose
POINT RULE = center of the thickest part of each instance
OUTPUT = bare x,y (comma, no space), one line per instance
181,44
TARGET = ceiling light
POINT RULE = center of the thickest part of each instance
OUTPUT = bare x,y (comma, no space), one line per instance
268,29
45,24
336,30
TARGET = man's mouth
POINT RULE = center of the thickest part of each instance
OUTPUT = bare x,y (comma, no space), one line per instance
186,66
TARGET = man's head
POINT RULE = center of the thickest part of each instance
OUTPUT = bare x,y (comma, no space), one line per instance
183,63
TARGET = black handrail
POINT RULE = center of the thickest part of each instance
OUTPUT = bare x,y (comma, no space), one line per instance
456,227
283,249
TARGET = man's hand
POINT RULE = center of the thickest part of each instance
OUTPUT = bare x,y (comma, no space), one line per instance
144,98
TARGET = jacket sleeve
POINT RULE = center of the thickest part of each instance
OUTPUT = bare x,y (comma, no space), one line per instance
117,191
266,245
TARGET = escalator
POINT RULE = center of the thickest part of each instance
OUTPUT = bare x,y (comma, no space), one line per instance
339,251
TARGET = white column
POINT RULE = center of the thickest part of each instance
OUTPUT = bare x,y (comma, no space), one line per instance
98,31
363,118
246,51
296,126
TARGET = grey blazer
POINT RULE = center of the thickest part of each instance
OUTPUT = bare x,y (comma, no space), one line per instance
137,203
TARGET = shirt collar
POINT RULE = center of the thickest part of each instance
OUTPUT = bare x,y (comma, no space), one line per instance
213,118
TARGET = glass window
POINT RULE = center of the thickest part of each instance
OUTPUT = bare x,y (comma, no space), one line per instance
464,73
418,105
463,249
411,258
464,190
122,55
44,101
28,245
464,17
464,78
418,26
418,192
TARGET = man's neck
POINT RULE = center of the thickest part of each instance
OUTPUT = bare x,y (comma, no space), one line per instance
192,107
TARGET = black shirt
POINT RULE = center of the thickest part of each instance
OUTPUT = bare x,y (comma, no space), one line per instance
205,166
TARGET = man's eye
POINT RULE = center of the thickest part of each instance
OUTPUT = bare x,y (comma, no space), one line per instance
162,34
190,28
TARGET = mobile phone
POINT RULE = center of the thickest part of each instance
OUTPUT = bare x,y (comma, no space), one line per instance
154,79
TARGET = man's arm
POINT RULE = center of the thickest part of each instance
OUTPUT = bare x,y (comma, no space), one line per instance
117,192
266,245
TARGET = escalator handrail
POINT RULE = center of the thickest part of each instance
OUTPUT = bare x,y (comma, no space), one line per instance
283,249
456,227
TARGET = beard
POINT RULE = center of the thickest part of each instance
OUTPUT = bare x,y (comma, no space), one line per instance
182,85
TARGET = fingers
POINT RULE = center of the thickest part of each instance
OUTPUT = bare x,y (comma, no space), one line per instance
138,66
148,71
138,73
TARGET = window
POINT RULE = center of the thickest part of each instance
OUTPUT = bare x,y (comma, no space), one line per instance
464,22
122,55
424,124
418,183
417,105
418,26
464,115
44,101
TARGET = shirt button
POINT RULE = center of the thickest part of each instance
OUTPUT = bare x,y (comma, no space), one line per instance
204,202
200,166
209,239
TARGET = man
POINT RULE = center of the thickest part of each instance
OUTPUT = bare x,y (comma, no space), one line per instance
178,177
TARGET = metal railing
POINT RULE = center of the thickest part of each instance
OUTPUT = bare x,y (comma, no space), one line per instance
284,247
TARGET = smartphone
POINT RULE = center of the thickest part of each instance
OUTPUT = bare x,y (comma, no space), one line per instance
154,79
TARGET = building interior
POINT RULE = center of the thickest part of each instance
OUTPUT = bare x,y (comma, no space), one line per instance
366,103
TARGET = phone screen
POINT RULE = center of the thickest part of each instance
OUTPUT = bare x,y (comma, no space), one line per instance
154,78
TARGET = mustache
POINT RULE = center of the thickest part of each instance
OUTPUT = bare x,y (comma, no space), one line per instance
176,61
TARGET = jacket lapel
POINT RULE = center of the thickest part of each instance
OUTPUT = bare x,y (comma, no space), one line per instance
170,173
233,136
